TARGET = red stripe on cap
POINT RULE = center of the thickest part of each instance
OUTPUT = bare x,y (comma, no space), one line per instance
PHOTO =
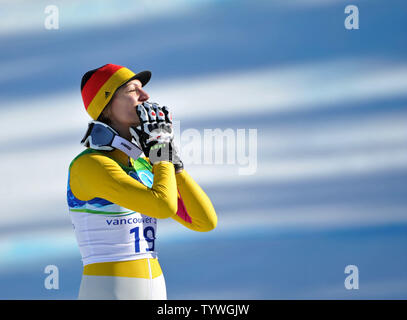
96,81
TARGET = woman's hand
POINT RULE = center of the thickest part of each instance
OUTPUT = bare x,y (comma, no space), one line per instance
155,134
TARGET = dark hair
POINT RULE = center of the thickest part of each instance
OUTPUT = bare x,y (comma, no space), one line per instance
103,117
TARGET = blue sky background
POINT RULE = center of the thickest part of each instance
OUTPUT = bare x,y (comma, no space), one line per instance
329,106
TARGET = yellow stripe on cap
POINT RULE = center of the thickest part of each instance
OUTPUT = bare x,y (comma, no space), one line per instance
105,93
132,269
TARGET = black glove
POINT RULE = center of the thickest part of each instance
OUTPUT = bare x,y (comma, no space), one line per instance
155,135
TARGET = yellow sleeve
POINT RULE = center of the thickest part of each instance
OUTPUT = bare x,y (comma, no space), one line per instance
198,213
95,175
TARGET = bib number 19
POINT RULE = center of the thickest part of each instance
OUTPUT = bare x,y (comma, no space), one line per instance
149,236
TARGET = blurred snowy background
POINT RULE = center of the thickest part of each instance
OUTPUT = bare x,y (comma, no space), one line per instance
329,106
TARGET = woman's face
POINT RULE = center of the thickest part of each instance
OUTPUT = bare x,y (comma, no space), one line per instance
124,102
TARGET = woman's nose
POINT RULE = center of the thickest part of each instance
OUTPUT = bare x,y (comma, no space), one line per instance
143,96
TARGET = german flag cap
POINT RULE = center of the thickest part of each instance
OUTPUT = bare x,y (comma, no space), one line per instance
99,85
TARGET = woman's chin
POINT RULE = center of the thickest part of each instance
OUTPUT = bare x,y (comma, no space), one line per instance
134,124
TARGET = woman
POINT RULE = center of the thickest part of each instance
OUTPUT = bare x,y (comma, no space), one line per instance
115,200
